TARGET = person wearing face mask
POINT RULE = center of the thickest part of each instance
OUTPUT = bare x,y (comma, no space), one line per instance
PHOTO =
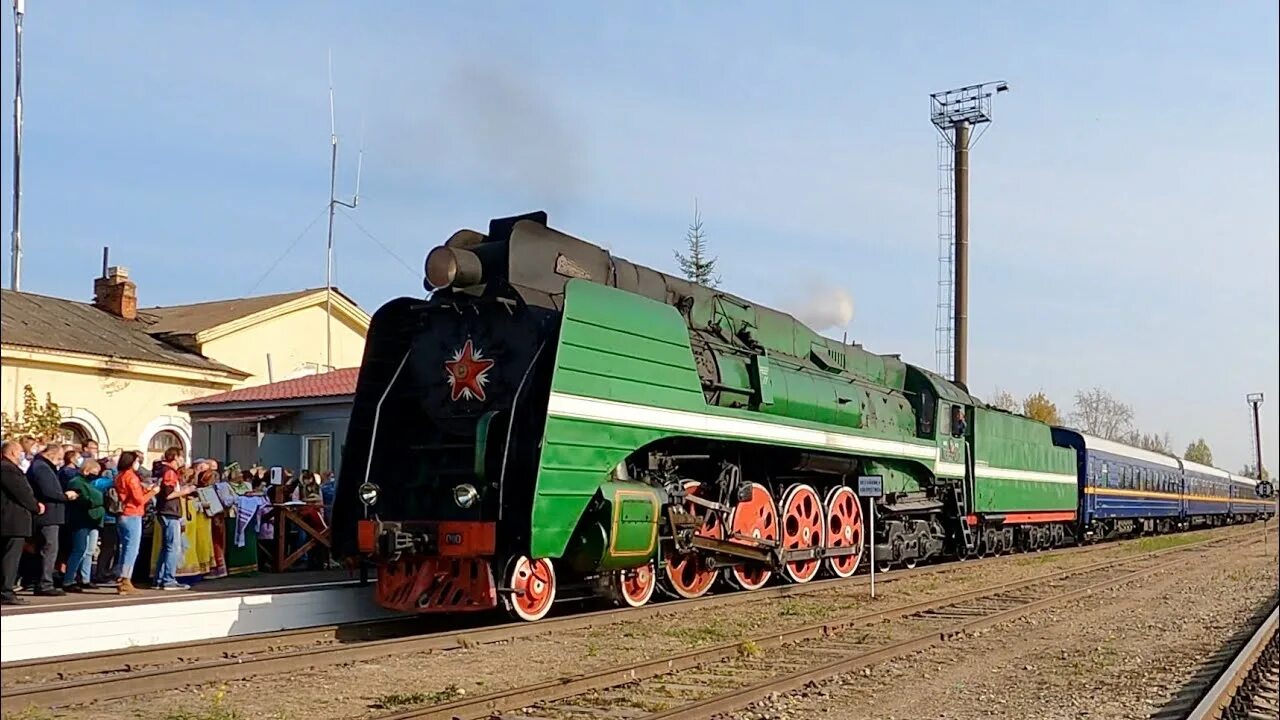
48,489
18,506
84,518
71,462
133,504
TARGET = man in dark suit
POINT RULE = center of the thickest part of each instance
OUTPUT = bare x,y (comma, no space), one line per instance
43,476
17,506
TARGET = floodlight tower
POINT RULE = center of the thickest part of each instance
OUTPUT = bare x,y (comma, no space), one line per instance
955,113
1255,400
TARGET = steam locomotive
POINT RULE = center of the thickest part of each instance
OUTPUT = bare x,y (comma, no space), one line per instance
554,420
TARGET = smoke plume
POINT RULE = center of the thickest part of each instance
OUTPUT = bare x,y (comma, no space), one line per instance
514,132
823,306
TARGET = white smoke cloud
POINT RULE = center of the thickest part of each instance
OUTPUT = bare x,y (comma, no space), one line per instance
823,306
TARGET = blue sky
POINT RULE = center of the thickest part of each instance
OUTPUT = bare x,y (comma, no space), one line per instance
1124,203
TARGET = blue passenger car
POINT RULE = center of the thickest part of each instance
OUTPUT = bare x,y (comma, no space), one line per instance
1245,503
1123,489
1206,494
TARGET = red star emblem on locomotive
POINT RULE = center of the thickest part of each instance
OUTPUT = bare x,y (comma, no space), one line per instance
467,373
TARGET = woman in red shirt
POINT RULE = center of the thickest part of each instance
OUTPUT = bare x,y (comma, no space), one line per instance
133,504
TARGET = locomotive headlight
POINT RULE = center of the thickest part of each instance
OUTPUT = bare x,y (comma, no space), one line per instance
368,493
466,495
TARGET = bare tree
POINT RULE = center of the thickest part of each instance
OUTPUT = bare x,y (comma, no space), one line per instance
699,265
1097,413
1004,400
1154,442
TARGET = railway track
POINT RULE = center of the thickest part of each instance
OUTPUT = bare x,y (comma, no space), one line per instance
710,681
95,677
1245,684
60,682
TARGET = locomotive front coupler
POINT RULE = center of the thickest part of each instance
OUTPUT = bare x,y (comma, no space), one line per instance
392,540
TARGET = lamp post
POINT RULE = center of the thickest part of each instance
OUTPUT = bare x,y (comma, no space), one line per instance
956,113
1255,400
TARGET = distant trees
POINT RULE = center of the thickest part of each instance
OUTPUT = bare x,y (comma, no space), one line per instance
1199,452
1251,471
1004,400
1154,442
1038,406
699,265
1098,413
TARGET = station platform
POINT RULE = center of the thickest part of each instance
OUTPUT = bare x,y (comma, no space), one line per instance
101,620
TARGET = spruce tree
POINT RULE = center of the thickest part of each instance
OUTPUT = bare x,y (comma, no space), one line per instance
698,265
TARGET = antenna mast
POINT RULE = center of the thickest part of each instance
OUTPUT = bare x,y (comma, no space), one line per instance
15,280
334,202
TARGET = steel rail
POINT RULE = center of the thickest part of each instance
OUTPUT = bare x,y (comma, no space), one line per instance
1221,696
486,706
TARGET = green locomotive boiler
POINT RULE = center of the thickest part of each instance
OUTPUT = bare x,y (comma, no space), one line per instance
555,419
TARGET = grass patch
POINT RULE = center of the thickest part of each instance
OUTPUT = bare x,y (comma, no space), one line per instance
700,634
1163,542
750,649
215,708
800,609
647,705
392,701
1034,560
31,712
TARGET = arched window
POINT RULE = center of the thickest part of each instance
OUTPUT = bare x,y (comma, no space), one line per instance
162,441
74,433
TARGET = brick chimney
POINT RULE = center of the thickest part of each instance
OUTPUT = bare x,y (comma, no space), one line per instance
115,293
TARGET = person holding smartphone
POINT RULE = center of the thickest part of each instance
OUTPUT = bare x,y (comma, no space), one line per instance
169,514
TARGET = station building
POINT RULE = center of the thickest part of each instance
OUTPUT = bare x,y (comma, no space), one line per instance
297,423
118,373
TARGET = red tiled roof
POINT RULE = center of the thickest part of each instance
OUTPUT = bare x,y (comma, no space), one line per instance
331,384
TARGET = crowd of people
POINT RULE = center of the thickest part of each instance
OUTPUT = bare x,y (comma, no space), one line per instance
76,521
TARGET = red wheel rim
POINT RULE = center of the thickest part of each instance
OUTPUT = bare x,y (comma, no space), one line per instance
755,518
844,529
803,527
534,585
687,575
635,585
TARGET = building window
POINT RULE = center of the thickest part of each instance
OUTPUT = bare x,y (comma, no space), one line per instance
162,441
74,434
317,453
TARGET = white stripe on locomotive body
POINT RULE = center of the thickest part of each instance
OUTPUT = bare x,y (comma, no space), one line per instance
993,473
1244,480
611,411
1114,448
